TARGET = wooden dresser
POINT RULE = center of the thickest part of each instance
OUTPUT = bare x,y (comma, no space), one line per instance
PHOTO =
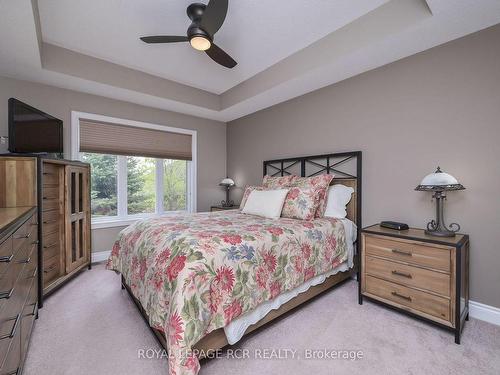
18,284
423,275
60,189
65,217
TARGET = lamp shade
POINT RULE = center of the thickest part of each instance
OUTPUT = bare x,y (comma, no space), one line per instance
439,180
227,182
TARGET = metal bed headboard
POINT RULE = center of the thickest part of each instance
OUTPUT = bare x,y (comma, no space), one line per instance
347,167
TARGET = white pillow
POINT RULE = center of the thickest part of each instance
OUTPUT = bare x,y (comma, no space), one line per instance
338,198
266,203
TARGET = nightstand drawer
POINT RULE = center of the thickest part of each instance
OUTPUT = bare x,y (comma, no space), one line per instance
414,299
426,256
408,275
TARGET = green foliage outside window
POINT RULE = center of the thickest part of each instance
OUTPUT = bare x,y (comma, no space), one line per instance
103,183
141,184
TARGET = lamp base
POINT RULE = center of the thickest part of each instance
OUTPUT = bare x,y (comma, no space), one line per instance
440,233
227,203
438,227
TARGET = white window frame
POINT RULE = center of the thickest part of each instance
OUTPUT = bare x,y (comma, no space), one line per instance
122,218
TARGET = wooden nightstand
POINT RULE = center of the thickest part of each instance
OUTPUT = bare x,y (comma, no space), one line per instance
424,276
223,208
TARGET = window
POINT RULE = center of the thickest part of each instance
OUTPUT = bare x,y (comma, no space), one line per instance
144,179
103,184
141,185
137,169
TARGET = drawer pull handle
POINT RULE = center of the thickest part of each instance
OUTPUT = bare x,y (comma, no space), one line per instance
49,246
396,294
25,236
397,273
48,173
34,224
402,252
7,294
35,305
14,328
35,242
49,198
27,260
6,259
34,274
49,221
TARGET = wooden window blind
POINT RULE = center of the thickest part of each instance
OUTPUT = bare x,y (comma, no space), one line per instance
115,139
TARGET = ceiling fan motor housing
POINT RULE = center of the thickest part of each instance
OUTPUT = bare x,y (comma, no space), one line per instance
195,12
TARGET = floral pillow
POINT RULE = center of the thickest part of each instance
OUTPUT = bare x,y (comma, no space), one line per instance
278,182
320,184
300,203
248,190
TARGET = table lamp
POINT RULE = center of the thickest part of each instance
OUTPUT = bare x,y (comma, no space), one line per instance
439,182
227,183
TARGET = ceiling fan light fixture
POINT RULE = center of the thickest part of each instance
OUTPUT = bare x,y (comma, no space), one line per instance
200,43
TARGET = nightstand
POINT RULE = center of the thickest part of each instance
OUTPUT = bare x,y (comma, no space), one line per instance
424,276
223,208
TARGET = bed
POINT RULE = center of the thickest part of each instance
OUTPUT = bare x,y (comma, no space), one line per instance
202,281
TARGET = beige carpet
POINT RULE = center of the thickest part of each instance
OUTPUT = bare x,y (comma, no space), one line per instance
90,326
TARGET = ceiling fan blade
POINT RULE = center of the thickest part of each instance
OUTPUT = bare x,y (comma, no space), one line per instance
164,39
214,16
220,57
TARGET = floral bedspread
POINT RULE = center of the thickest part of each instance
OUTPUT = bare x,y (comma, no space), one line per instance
194,273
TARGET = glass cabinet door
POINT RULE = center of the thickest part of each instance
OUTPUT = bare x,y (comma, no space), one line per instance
78,219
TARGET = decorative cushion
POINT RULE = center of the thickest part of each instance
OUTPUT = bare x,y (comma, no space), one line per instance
278,182
265,203
338,198
320,183
248,190
300,204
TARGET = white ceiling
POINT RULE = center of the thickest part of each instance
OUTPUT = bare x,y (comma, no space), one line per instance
92,46
256,33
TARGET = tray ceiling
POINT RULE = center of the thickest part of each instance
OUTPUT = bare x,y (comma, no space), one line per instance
284,49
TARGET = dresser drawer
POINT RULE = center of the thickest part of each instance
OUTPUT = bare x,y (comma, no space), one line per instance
50,198
50,204
414,299
50,193
50,174
10,345
51,270
26,234
426,256
50,217
50,228
6,255
28,316
50,245
13,272
408,275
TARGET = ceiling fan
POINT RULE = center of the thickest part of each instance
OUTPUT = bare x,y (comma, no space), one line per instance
206,21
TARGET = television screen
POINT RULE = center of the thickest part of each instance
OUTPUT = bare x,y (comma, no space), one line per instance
33,131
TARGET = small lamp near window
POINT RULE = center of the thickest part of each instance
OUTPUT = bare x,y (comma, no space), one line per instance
227,183
439,182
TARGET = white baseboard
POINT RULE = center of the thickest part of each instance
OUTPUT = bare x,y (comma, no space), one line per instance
477,310
100,256
484,312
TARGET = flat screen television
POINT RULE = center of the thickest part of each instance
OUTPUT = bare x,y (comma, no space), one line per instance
33,131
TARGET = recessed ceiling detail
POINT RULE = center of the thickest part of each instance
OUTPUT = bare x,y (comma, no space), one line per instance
283,48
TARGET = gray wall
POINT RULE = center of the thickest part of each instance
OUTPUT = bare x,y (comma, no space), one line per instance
60,103
440,107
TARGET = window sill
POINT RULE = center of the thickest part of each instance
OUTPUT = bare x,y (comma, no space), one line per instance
123,222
